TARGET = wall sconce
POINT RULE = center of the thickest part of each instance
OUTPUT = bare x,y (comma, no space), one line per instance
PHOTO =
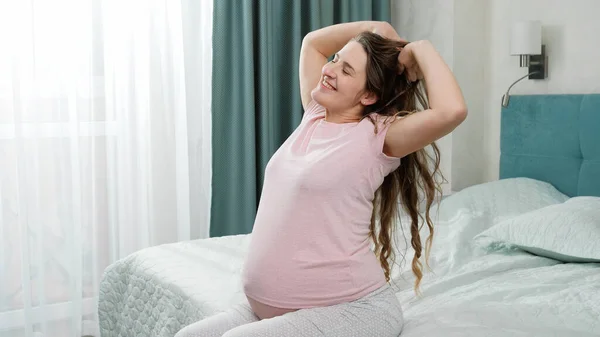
526,42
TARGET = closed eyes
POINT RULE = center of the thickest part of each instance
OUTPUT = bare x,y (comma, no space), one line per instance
347,69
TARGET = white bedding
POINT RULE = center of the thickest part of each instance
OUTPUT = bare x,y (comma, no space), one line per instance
474,291
477,292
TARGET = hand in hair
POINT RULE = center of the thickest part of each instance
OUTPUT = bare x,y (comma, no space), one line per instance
406,58
408,63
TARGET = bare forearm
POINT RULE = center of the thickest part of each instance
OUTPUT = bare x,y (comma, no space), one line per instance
329,40
443,91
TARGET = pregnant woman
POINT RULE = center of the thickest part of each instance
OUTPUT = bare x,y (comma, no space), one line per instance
321,248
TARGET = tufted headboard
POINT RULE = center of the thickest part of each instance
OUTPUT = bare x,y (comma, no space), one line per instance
553,138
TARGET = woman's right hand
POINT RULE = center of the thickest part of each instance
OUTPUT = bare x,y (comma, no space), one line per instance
386,30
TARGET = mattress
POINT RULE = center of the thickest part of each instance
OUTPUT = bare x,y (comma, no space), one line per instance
471,291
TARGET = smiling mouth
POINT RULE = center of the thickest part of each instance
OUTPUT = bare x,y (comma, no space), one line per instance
326,84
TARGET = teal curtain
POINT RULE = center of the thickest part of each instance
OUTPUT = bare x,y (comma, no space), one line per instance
255,92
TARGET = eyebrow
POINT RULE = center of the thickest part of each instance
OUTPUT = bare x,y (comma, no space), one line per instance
346,64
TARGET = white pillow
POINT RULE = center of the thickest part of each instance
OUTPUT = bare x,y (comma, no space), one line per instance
568,232
467,213
501,199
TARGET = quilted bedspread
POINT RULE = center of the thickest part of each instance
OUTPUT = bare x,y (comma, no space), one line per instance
159,290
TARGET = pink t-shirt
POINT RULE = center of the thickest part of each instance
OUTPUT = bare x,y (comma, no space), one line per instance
310,243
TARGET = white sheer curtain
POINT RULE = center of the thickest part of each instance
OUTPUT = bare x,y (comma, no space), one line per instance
104,147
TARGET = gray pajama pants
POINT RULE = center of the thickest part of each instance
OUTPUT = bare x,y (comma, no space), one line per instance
378,314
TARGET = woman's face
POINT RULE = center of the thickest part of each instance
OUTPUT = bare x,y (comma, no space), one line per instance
342,84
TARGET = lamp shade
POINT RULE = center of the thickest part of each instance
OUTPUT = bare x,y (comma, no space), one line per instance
526,38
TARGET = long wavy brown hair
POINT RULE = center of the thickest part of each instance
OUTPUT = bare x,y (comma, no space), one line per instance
416,179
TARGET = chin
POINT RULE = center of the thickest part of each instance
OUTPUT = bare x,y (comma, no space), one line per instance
317,96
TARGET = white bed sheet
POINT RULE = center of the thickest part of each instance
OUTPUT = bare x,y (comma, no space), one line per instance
476,291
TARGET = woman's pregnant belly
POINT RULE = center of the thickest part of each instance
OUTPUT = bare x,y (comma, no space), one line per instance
291,268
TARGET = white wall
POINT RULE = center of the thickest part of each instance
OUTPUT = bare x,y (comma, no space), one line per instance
473,38
470,58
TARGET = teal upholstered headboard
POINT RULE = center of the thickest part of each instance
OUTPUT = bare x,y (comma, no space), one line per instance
553,138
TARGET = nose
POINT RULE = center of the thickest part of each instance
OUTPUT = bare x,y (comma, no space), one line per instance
328,71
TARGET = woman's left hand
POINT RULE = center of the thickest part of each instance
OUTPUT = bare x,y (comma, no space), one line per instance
407,62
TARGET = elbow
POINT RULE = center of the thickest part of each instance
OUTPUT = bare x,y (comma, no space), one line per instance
455,116
308,38
311,41
385,29
460,114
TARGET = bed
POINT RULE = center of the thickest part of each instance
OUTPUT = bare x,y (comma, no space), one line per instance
490,277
